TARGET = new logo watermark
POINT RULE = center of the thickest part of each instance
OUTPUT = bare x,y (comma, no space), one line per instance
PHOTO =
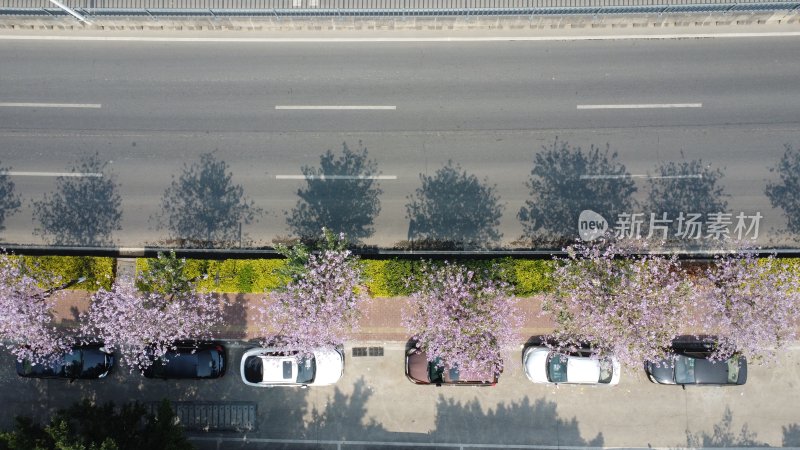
717,225
591,225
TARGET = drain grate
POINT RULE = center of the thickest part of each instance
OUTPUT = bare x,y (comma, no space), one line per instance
213,416
367,351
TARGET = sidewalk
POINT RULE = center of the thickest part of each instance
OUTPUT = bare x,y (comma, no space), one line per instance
381,320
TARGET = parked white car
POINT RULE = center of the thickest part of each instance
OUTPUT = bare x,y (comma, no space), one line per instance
543,365
269,367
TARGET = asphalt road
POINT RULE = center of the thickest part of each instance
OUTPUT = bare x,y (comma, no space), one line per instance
487,106
374,404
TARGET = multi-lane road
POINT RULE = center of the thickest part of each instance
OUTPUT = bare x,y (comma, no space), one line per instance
269,108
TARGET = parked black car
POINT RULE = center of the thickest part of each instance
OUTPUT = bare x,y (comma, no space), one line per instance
689,364
190,359
421,371
84,362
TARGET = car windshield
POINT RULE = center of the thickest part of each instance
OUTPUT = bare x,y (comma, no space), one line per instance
733,370
556,368
306,368
684,369
606,371
206,366
73,364
253,370
436,371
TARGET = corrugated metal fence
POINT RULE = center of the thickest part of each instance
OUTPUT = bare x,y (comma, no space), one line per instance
364,4
389,7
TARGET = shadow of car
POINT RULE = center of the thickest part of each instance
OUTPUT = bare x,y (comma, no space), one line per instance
190,360
84,362
274,366
544,365
689,364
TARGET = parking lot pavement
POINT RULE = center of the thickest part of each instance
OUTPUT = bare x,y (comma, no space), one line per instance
374,404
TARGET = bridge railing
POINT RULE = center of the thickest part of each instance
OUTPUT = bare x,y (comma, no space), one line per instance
392,8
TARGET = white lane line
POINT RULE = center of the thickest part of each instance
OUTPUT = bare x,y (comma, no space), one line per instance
336,107
52,105
16,173
335,177
612,177
328,39
643,106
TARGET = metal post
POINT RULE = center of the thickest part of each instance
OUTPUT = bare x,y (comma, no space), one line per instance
71,11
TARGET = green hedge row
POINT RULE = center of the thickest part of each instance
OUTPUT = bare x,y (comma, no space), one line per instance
384,278
232,275
99,272
387,278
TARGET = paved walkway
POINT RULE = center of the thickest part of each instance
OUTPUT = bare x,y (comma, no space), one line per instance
381,320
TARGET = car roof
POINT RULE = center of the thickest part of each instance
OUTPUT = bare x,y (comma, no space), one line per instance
417,366
710,372
278,368
581,369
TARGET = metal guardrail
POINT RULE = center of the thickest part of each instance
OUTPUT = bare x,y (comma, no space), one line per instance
390,8
373,5
368,253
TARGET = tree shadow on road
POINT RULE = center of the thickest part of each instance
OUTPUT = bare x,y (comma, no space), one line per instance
682,188
341,195
344,417
791,435
456,208
785,193
9,201
566,180
520,422
85,209
204,208
724,435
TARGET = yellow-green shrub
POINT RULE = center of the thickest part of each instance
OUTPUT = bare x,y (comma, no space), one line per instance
98,271
232,275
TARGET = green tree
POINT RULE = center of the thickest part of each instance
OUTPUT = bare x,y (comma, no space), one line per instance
85,426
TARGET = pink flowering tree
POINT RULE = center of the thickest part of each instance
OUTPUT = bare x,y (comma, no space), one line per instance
143,320
621,304
27,328
751,305
462,320
321,304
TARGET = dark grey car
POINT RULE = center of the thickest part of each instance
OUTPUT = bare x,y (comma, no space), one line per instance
84,362
190,360
690,365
